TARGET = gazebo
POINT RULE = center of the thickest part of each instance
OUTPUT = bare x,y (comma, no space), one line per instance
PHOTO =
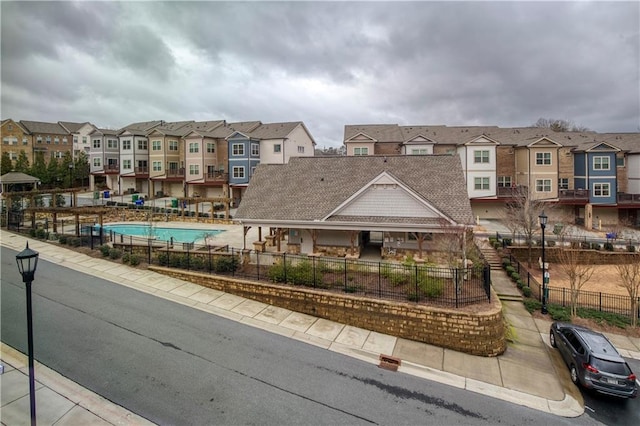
18,182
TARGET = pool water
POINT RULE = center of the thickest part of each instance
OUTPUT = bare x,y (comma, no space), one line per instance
179,235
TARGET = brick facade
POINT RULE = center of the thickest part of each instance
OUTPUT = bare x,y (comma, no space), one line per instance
478,333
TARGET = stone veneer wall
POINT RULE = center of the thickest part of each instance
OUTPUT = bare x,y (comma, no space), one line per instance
478,333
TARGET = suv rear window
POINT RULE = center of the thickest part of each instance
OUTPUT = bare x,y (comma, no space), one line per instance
612,367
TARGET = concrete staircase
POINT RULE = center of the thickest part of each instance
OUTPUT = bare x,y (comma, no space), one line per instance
500,281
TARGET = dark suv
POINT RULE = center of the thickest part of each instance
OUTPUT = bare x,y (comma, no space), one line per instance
594,362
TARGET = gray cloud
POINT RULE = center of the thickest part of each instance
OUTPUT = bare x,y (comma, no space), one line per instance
325,63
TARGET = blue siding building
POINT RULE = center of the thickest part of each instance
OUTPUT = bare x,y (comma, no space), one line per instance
595,169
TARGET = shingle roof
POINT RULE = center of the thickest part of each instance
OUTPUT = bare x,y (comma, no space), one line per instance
310,188
379,132
72,127
274,130
142,126
42,127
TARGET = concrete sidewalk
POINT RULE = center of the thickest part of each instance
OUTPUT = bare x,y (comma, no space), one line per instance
529,373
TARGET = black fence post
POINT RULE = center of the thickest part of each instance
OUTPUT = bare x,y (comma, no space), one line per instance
149,252
416,283
284,264
258,264
313,263
379,279
455,280
209,257
345,271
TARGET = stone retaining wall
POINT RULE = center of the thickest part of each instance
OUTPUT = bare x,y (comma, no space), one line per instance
478,333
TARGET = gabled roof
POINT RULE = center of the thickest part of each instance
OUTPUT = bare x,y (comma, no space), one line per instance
226,129
104,132
42,127
375,132
309,189
17,177
73,127
142,126
17,123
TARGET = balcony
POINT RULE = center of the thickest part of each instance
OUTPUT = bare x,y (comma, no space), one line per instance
624,198
216,177
141,171
512,191
112,169
173,173
574,194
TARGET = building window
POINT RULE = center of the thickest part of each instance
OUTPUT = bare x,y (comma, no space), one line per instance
194,169
157,166
481,183
112,143
619,161
56,140
75,139
126,164
64,140
543,185
194,147
97,162
504,181
237,149
156,145
277,148
419,151
211,147
48,139
481,156
39,139
361,151
173,145
25,141
84,140
255,149
238,172
563,183
96,143
142,144
600,163
300,149
5,141
601,189
126,145
173,167
543,158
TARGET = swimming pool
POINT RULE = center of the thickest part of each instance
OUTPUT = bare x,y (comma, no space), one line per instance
179,235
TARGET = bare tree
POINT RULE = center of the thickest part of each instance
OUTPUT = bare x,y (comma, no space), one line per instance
558,125
630,276
521,215
579,268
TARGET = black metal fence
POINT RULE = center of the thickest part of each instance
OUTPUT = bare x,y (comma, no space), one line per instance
596,300
429,284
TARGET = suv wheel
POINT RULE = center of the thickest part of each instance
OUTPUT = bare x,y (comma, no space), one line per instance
552,339
574,374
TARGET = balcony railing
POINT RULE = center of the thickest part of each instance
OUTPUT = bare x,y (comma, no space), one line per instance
512,191
216,177
142,170
175,172
573,194
628,198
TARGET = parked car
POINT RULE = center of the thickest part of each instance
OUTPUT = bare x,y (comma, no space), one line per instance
593,361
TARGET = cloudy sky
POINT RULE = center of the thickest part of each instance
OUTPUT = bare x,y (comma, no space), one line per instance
325,63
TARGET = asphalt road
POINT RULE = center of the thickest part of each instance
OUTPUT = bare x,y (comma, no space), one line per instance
176,365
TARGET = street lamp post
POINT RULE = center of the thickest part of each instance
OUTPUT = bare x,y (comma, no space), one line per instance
545,275
27,261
